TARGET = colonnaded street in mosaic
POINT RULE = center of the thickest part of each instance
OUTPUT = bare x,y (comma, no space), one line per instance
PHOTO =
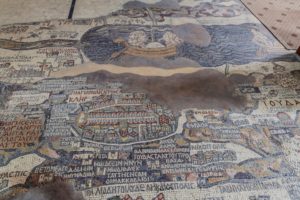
157,100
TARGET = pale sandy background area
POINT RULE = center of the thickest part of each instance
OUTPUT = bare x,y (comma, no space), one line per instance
21,11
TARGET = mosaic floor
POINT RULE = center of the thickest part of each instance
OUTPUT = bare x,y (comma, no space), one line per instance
150,100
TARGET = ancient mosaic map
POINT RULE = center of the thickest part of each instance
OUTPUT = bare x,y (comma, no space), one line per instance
156,100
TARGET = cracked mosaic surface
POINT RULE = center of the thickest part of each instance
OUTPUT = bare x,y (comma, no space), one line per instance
153,100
